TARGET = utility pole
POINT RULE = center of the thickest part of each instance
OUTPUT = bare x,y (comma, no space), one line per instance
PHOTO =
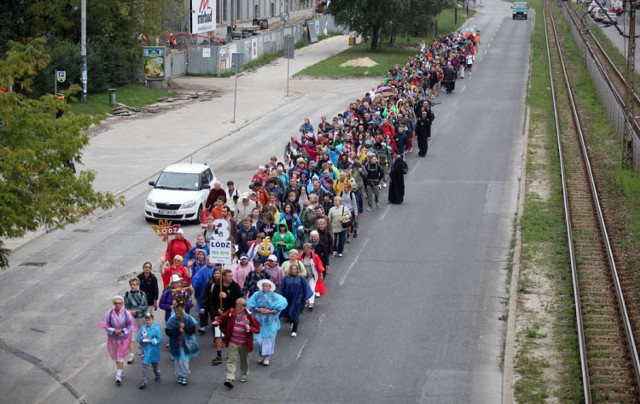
229,23
627,146
83,49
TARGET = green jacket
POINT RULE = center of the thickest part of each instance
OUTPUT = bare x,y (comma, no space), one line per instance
288,238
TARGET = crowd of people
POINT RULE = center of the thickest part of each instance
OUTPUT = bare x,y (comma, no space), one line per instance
296,217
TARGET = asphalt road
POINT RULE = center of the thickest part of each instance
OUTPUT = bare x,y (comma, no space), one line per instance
412,310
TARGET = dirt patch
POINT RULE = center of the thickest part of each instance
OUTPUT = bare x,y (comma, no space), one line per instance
359,62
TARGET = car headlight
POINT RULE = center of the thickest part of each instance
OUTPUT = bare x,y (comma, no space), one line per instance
151,203
188,204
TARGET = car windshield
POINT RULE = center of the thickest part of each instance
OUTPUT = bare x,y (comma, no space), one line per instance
519,5
179,181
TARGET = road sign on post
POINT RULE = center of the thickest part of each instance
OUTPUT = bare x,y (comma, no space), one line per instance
237,62
289,47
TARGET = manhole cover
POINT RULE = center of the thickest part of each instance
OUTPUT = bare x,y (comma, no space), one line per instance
32,264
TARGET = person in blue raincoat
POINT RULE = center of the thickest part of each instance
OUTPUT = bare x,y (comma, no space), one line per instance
296,290
149,338
198,283
266,305
183,345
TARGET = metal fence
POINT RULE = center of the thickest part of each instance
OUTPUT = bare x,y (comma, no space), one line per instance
176,64
215,59
610,101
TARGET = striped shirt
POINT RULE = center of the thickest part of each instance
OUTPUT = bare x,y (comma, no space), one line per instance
239,336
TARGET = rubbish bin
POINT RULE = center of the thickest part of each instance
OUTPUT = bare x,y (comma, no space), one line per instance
112,97
352,40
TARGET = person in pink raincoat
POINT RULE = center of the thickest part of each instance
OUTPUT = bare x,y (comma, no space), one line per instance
121,327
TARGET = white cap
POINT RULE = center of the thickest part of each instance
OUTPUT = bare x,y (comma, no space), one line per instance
176,278
179,231
272,257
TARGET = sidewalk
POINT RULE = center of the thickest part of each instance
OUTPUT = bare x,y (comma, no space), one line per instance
130,152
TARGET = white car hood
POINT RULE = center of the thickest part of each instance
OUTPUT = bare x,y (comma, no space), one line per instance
172,196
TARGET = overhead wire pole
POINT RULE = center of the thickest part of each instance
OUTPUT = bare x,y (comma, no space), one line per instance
83,49
627,146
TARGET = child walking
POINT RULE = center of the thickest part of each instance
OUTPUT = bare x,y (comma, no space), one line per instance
149,338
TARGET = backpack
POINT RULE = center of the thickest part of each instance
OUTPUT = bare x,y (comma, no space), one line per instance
405,167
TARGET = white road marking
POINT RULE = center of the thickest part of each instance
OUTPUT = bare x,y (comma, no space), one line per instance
343,278
301,349
413,170
385,212
463,87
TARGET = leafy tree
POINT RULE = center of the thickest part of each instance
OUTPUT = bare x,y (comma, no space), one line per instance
377,18
37,188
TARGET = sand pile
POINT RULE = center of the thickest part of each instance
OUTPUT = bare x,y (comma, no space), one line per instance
359,62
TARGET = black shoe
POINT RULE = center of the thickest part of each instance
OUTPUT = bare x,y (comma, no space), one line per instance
355,234
229,383
142,386
216,361
201,331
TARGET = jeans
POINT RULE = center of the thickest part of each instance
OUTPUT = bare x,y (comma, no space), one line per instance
359,202
339,240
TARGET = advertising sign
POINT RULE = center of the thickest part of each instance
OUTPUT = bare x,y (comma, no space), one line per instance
203,16
164,229
153,59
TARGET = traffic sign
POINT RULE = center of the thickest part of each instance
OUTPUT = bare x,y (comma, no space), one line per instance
289,46
61,76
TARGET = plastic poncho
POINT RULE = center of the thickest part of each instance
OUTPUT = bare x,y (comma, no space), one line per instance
151,349
269,323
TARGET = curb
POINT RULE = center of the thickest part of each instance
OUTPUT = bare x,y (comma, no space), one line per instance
509,346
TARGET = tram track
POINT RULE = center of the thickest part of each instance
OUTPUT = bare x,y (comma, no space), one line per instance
609,361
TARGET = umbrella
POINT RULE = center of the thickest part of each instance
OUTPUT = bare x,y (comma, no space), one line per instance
386,94
382,88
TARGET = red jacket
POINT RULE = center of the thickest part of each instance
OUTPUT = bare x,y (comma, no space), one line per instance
227,320
169,271
177,247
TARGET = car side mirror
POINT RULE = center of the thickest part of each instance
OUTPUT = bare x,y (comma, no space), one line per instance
206,186
152,183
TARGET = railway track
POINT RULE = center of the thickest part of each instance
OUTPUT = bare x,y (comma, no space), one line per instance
616,78
609,360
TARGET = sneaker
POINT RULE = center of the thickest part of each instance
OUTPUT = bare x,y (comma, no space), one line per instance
184,381
167,345
340,255
335,253
130,358
384,185
216,361
294,334
369,209
228,383
118,380
179,381
379,186
261,359
310,307
243,379
142,386
317,294
266,361
201,331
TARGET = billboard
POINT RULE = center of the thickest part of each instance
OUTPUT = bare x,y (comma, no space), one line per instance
203,16
153,57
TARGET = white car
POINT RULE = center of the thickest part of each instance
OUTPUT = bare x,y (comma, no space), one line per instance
179,193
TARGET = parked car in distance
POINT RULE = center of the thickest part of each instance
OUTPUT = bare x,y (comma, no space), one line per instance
520,9
600,15
179,193
616,7
612,18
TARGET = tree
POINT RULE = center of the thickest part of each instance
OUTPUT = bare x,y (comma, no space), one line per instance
376,18
37,187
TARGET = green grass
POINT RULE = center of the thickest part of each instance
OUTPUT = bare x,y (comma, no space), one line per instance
132,95
386,55
544,249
